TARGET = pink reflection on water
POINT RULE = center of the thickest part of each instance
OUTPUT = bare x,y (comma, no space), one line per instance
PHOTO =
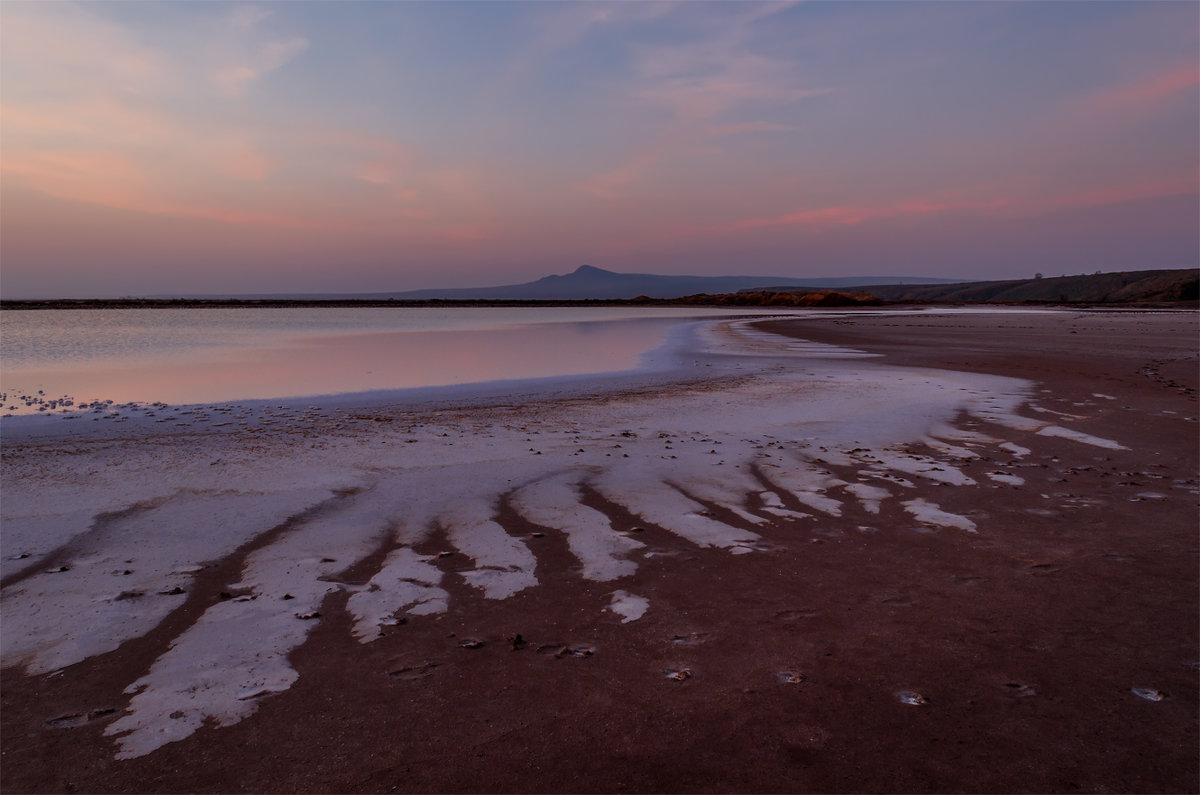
347,363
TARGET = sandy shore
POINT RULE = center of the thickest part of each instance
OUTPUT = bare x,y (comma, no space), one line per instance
937,552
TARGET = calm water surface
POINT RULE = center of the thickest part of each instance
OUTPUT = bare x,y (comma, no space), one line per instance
205,355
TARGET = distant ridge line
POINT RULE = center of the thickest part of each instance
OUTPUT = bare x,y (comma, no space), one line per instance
585,283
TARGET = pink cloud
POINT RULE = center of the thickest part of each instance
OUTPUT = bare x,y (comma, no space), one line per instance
1117,194
1149,91
115,180
738,128
233,80
613,184
98,119
824,216
702,86
243,161
1023,203
463,233
63,47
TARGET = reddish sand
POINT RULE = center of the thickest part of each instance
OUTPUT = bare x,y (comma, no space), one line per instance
1026,639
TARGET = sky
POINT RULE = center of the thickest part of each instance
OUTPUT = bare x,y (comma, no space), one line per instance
205,147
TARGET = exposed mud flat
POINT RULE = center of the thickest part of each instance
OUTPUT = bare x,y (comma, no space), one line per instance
931,505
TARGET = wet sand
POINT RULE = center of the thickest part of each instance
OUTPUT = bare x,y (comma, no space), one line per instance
786,668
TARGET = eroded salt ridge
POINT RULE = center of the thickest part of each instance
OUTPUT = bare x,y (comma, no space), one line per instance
739,465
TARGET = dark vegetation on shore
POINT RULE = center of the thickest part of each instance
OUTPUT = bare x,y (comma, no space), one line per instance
1165,288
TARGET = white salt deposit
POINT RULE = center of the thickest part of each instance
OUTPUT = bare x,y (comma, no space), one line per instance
805,482
1042,410
922,466
554,503
870,496
237,651
663,505
929,513
952,450
629,606
773,504
36,536
212,671
727,491
504,565
1081,437
124,579
1015,449
942,430
408,582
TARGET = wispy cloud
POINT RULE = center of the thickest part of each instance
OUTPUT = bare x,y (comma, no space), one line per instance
56,50
1145,93
698,81
565,25
1011,201
244,18
715,85
87,116
262,60
741,127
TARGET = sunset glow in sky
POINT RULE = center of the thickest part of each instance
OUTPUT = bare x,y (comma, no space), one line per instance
192,147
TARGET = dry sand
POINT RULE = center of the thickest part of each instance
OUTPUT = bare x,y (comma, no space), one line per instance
1008,603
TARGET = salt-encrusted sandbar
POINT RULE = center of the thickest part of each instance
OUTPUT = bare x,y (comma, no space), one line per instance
720,576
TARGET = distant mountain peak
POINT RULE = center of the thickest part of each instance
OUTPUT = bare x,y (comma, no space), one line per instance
590,270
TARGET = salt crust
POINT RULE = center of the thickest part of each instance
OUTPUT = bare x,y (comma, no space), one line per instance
129,574
1016,449
629,606
870,496
929,513
692,460
554,503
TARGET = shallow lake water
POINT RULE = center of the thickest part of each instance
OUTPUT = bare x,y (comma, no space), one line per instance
203,355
